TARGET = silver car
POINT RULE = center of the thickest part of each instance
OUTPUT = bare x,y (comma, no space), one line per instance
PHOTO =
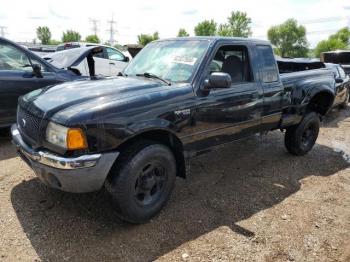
108,62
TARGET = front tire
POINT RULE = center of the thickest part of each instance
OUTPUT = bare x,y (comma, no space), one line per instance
300,139
142,180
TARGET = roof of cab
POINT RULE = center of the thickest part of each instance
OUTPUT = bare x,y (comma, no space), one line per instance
217,38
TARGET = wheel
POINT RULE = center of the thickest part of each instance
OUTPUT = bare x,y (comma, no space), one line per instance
300,139
346,101
142,180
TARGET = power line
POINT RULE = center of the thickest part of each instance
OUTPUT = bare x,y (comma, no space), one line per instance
111,30
2,30
94,26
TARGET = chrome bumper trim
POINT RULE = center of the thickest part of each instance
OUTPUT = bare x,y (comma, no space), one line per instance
49,159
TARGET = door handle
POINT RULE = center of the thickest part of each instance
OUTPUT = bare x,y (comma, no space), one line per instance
111,63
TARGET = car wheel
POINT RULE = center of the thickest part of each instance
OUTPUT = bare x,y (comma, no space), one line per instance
142,180
300,139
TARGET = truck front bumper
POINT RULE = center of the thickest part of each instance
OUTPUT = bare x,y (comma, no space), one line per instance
77,175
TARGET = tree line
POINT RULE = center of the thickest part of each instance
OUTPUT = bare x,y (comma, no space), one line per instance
288,39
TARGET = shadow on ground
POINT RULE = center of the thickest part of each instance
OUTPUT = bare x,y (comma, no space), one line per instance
222,188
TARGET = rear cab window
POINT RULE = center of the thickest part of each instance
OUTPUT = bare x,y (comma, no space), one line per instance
268,69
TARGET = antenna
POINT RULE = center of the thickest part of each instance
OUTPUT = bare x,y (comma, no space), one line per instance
2,30
111,30
94,26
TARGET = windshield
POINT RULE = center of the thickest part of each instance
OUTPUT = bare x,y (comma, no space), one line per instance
173,60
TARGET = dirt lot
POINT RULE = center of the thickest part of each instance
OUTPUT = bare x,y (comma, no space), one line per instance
250,201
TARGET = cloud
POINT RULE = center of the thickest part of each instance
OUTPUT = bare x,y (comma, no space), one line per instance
37,17
56,14
190,12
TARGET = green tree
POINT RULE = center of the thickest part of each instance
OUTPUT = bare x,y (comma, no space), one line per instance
238,24
182,33
205,28
343,35
224,30
55,42
330,44
144,39
92,39
71,36
44,35
339,40
289,39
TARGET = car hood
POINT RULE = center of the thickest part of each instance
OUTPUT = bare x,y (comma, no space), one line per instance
78,96
71,57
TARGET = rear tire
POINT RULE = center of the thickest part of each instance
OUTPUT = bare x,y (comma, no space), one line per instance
300,139
142,180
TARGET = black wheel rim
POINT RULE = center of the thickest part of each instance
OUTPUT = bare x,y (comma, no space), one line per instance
308,136
150,183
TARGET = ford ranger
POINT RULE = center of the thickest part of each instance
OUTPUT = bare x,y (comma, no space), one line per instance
178,98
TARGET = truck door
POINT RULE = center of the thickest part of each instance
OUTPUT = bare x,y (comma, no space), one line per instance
272,88
226,114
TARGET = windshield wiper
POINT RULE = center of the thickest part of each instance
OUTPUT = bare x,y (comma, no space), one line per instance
150,75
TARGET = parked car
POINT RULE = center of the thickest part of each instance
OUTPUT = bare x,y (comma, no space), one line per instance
342,85
177,99
109,52
22,71
341,57
107,61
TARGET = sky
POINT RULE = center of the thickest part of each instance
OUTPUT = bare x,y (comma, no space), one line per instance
21,18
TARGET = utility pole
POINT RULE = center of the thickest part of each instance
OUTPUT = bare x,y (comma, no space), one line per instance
2,30
94,26
111,31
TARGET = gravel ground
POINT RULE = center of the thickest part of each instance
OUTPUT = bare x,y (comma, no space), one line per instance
249,201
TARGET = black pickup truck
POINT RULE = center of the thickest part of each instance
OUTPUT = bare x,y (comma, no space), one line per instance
179,97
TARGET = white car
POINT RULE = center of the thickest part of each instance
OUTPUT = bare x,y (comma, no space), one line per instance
108,62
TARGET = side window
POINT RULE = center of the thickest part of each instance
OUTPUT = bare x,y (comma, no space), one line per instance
335,72
268,67
43,67
12,58
115,55
233,60
101,54
341,72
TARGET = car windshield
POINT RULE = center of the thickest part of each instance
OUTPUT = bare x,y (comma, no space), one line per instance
173,60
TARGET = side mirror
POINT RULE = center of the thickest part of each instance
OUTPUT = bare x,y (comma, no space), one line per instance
37,71
126,59
218,80
339,80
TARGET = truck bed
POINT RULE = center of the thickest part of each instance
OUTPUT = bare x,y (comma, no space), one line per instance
304,76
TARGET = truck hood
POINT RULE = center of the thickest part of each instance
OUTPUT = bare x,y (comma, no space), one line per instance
79,96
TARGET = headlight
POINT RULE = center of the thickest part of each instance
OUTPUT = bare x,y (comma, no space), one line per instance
68,138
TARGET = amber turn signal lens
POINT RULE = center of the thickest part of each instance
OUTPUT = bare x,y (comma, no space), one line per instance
76,139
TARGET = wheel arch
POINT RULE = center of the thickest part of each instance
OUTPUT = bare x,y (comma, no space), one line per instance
321,102
165,137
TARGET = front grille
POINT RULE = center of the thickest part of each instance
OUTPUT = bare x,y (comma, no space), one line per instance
28,124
